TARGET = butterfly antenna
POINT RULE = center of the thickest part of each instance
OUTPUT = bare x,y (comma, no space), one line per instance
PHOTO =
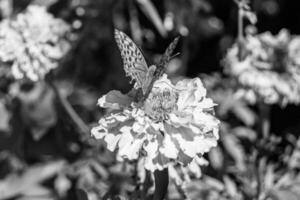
173,56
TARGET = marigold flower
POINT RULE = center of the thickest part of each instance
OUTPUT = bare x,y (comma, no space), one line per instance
268,68
33,42
174,124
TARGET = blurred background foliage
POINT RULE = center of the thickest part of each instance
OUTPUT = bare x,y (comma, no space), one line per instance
44,155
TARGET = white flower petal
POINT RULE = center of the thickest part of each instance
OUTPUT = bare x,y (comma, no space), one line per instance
169,149
195,169
98,132
129,147
112,141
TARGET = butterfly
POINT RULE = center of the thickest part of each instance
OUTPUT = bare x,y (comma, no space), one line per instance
135,65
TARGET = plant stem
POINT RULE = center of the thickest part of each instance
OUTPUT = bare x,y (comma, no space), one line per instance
258,178
240,29
161,183
146,185
69,110
264,112
264,132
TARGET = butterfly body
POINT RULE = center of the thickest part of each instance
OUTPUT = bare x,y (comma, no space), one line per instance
135,65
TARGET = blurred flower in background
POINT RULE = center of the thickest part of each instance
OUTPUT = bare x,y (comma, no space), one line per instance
267,67
175,123
33,42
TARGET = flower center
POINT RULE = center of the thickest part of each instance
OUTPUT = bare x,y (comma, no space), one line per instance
160,103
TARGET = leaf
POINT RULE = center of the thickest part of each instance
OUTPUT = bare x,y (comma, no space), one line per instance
215,183
245,114
81,194
294,160
244,132
234,148
283,194
99,169
36,190
287,188
44,3
251,16
230,186
285,180
62,184
269,177
15,185
5,117
150,11
6,8
206,189
119,198
216,158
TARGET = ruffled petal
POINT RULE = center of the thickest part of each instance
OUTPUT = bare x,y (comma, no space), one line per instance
195,169
183,158
160,161
180,118
130,144
204,121
191,91
191,143
112,141
151,149
168,148
110,128
154,159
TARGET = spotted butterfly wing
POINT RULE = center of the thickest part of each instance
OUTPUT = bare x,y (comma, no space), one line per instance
134,62
167,56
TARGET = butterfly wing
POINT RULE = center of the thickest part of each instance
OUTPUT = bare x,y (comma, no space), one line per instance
166,57
134,63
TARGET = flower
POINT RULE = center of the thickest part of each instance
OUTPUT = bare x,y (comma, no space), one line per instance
33,42
175,124
266,68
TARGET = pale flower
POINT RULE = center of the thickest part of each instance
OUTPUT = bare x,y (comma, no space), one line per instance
33,42
175,124
269,68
